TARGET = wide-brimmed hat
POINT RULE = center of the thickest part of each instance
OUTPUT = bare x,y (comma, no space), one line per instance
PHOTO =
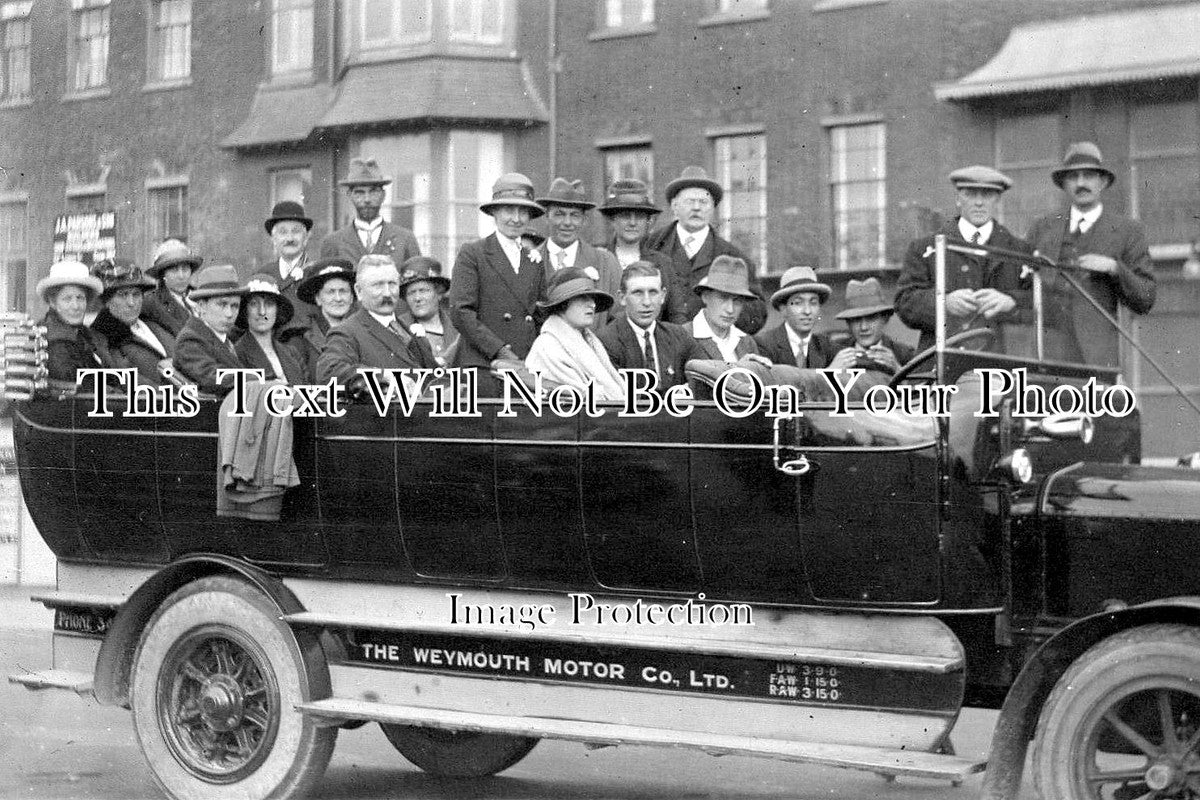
512,189
69,273
864,298
566,193
727,274
288,210
422,268
119,273
1082,155
800,279
171,253
315,276
628,194
572,282
978,176
694,177
267,285
364,172
218,280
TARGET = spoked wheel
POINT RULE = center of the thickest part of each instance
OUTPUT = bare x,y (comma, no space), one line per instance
1123,723
457,754
215,681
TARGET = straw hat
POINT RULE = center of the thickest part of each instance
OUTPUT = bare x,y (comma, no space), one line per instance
69,273
800,279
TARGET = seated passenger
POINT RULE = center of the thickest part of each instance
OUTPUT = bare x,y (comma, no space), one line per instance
264,311
173,267
867,314
794,342
203,344
328,285
145,345
566,351
71,345
422,288
724,291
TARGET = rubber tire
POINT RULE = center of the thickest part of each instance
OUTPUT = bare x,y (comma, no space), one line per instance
467,755
300,750
1110,665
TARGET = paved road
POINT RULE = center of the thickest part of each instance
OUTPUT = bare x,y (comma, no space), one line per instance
55,745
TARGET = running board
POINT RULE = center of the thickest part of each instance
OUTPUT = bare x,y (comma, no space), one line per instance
78,682
873,759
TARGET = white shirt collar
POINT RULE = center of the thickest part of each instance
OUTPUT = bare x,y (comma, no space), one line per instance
968,230
727,346
795,341
571,251
511,248
683,234
373,225
385,321
639,331
1084,220
287,268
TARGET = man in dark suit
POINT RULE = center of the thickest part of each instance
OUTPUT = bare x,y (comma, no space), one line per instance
638,339
981,290
628,208
794,342
495,285
566,212
867,314
692,243
289,228
173,266
368,233
203,345
1112,250
370,337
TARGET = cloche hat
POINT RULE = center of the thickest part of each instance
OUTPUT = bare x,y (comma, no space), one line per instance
572,282
170,253
315,276
267,285
512,189
422,268
628,194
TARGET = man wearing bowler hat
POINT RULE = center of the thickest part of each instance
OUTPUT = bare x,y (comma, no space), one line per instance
566,214
629,210
367,232
692,243
867,314
1110,251
289,228
794,341
981,290
173,266
203,345
496,283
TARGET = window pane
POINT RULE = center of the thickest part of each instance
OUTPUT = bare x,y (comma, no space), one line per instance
291,184
480,21
13,257
414,19
629,163
173,30
623,13
292,36
376,23
91,48
740,6
167,214
858,172
407,159
742,173
474,162
16,83
1027,149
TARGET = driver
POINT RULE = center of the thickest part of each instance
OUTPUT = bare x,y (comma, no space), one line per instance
866,315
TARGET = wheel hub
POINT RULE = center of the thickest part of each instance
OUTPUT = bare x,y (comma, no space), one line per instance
221,703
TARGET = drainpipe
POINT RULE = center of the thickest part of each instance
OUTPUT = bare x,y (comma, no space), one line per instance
553,88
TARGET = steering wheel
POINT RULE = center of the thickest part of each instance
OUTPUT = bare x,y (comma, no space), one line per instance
986,334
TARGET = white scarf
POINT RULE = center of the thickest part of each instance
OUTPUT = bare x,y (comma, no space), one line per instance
569,356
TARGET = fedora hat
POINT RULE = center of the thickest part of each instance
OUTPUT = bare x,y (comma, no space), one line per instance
171,253
566,193
512,189
628,194
1082,155
69,273
694,177
422,268
217,280
864,298
288,210
116,274
364,172
315,276
267,285
572,282
978,176
800,279
727,274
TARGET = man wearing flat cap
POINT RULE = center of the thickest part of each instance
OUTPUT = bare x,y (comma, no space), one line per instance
496,283
981,290
692,243
795,341
368,233
1110,251
566,207
629,210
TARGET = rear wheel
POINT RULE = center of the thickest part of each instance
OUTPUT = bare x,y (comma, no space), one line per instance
1123,722
458,754
215,681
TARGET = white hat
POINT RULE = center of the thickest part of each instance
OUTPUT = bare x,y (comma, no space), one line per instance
68,273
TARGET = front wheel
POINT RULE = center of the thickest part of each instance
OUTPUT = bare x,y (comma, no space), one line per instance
457,754
215,681
1123,722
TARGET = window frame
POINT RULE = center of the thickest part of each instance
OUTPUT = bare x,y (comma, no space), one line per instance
164,184
603,30
80,9
839,252
155,43
11,15
477,16
305,171
12,299
301,67
722,174
1137,158
1041,167
628,145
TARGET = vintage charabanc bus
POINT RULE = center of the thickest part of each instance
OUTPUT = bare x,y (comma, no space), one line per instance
798,584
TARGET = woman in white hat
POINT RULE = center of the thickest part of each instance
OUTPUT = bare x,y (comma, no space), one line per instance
264,311
71,345
566,351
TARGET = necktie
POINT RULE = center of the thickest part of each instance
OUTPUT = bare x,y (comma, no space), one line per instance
647,351
975,237
395,328
560,259
689,245
804,352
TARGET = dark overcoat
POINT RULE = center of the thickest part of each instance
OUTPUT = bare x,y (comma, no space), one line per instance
774,345
394,241
199,354
134,350
361,341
